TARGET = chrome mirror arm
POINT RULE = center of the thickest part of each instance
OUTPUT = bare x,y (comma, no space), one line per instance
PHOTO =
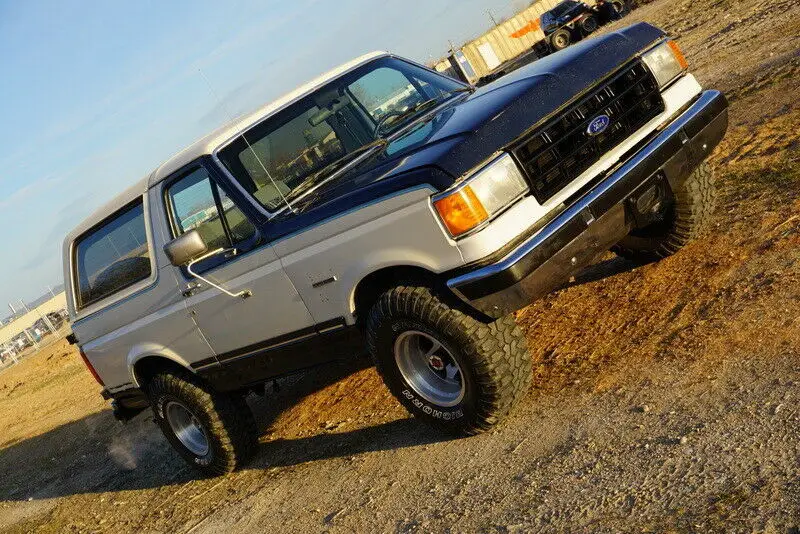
241,294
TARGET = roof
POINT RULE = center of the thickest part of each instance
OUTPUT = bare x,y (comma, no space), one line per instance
129,195
212,141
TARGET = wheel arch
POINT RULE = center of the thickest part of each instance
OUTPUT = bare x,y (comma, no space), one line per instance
370,287
366,292
147,361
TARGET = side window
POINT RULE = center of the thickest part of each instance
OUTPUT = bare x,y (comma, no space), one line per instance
241,229
196,201
113,256
194,206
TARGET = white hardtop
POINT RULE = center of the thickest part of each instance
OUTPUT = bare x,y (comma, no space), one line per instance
212,141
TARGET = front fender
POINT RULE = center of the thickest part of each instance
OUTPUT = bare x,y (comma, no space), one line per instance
326,262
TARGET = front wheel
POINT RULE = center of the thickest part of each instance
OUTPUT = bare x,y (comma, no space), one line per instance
621,7
686,219
214,432
444,366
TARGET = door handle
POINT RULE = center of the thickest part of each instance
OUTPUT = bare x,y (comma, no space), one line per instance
245,293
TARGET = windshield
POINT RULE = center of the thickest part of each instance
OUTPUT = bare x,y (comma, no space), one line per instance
295,149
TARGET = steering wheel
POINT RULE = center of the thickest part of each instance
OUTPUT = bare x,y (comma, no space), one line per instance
383,120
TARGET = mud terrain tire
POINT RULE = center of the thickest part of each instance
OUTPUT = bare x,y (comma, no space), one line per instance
226,422
494,368
688,218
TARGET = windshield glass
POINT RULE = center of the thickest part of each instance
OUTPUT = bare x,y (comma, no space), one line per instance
296,148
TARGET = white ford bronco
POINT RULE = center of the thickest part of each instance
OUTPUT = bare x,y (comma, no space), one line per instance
386,206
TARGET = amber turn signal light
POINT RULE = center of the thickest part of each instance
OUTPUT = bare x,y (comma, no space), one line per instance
676,50
461,211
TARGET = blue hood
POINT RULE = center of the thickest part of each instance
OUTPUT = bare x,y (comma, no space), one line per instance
446,145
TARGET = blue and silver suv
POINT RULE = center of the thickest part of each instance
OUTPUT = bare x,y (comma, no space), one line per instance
386,206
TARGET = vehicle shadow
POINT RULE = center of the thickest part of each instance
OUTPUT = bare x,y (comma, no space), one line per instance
96,454
604,268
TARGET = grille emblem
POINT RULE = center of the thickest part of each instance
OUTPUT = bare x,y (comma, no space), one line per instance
598,125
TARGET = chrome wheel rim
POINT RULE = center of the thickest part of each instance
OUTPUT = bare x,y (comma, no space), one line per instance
429,368
187,428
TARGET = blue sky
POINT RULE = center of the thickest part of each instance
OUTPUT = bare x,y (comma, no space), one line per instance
94,95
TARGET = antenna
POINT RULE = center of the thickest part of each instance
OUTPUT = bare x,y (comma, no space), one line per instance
239,132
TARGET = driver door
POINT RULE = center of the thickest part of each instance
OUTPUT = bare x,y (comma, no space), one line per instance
244,333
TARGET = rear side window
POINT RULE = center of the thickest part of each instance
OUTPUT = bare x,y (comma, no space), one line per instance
113,256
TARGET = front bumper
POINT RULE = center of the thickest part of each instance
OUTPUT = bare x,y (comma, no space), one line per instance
597,220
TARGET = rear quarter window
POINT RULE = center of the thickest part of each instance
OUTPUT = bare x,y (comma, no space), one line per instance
112,256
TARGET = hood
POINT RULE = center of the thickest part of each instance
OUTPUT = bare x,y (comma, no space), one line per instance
474,127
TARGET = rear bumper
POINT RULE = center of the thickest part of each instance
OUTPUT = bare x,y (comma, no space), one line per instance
597,220
126,404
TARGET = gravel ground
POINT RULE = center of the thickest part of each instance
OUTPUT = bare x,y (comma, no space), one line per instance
664,400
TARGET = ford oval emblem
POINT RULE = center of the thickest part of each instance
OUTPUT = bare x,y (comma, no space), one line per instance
598,125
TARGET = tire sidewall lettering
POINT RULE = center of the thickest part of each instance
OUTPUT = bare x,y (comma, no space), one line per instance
201,461
161,401
415,402
432,410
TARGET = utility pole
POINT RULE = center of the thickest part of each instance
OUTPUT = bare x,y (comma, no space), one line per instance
50,289
491,16
30,337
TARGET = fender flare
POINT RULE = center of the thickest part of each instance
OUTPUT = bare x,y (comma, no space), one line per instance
147,350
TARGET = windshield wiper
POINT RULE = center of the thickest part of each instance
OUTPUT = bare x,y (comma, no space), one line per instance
339,167
380,142
400,116
418,108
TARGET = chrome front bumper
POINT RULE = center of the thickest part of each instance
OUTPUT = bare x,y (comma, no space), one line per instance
597,220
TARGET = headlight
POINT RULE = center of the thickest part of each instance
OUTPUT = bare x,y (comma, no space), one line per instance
666,62
480,196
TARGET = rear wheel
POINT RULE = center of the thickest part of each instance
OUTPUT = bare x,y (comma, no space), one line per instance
445,367
686,219
214,432
621,7
560,39
589,25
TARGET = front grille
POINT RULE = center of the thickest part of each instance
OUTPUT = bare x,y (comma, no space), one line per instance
562,148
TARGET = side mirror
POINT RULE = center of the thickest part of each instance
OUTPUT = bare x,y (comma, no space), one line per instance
188,249
185,248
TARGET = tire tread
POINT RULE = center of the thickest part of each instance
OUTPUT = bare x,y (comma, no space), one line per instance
497,351
694,207
231,422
